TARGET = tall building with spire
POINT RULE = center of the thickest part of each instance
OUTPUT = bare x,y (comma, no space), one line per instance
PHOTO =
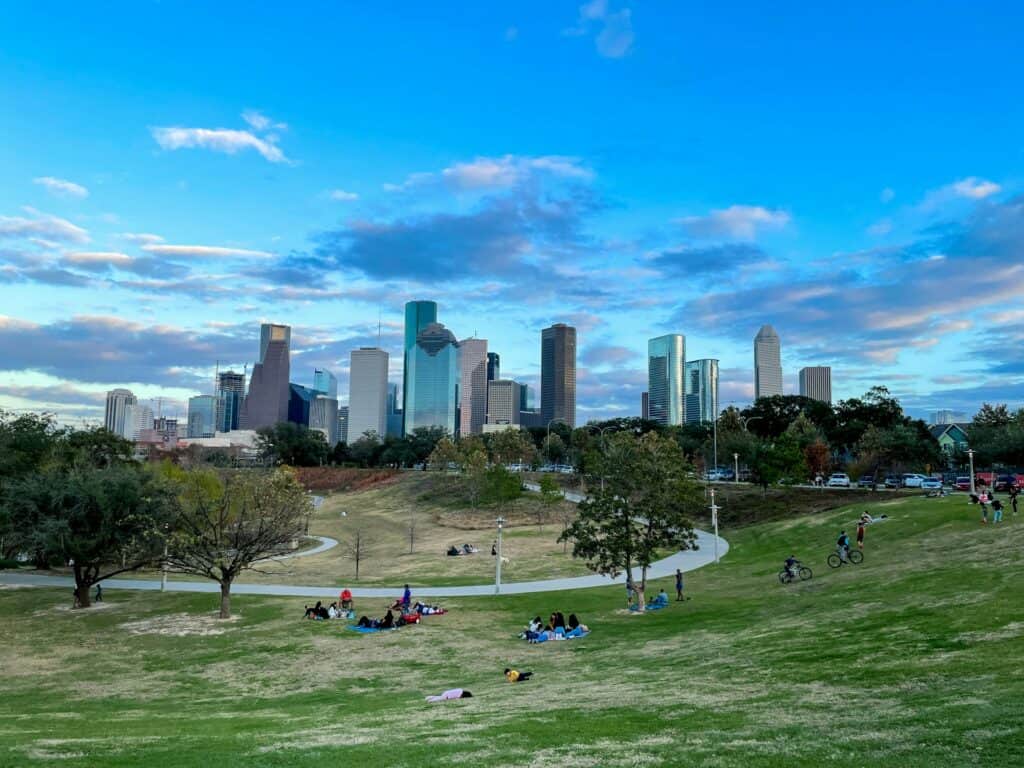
666,357
473,386
267,401
558,374
767,363
418,315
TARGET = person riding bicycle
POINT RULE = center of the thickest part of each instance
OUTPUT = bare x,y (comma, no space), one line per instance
790,566
843,545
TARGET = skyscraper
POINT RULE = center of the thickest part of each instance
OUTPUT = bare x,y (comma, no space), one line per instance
325,382
767,363
666,356
267,401
432,380
473,366
300,402
343,424
493,366
230,393
503,401
701,393
202,416
137,418
816,383
394,411
645,405
418,315
558,374
118,401
323,417
368,393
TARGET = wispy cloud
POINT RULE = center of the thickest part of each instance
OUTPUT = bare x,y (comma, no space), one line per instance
612,30
227,140
260,122
42,225
98,259
342,195
204,252
887,195
971,188
141,238
61,187
738,222
504,172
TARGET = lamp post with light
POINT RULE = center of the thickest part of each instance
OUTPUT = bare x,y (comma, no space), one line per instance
736,467
970,458
714,521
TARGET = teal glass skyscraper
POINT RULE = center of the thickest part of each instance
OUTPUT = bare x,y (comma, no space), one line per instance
666,356
418,315
701,391
432,380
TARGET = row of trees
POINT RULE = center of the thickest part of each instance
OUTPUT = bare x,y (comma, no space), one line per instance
997,436
79,499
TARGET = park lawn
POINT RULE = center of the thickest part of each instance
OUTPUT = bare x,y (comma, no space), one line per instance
910,659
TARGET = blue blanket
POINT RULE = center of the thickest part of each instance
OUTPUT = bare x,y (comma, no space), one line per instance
650,607
567,636
365,630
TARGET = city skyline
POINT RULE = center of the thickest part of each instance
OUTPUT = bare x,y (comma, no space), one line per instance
141,246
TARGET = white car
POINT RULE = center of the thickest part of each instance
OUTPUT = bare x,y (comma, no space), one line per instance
913,480
931,484
839,480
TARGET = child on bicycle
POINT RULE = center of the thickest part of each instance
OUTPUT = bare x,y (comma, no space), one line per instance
790,566
843,545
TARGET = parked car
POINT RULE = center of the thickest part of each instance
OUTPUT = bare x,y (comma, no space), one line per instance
866,481
963,483
564,469
931,484
1006,482
891,481
912,480
839,480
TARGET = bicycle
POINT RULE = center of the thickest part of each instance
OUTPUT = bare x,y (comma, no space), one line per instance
853,557
788,577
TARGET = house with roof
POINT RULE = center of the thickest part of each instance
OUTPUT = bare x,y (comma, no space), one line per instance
952,438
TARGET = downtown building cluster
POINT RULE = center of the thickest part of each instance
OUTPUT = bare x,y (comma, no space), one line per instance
446,383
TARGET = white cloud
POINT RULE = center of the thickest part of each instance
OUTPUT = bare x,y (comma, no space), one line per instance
224,140
204,251
342,196
740,222
260,122
61,187
614,37
142,238
42,225
95,258
974,188
881,227
497,172
887,195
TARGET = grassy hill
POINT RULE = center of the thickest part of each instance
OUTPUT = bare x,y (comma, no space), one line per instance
911,659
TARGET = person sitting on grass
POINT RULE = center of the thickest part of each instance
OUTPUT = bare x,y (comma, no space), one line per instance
388,622
660,600
346,599
310,613
332,611
515,676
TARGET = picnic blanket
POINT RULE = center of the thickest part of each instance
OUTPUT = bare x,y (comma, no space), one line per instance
567,636
650,607
368,630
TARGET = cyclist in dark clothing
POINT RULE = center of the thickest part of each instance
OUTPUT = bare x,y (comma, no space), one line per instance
790,565
843,545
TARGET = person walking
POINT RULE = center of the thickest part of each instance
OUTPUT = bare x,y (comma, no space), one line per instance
983,501
679,585
997,511
860,535
1014,493
406,599
99,593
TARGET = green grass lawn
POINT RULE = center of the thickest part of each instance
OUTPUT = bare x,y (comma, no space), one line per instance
911,659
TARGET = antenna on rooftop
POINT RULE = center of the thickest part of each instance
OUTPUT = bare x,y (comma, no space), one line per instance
378,326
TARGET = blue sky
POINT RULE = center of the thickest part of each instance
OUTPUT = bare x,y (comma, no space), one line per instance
172,174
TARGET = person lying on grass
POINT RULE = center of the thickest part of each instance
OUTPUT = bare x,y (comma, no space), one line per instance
454,693
388,622
515,676
427,610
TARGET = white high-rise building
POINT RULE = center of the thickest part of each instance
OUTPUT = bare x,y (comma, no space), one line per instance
816,383
118,401
767,363
137,417
368,393
323,416
472,386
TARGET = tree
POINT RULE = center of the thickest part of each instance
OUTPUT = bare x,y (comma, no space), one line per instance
232,522
817,457
554,448
357,547
445,455
26,442
367,450
512,446
645,507
899,446
779,462
292,444
500,487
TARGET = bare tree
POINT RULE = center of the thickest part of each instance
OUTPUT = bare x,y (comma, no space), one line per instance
357,548
230,523
412,532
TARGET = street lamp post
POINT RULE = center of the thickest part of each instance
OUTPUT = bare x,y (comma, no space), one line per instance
714,521
736,467
604,444
163,570
497,565
970,458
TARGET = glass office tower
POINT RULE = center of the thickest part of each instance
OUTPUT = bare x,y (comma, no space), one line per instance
202,416
666,356
418,315
432,380
701,391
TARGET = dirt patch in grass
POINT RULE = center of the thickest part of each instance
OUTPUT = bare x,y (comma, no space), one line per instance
181,625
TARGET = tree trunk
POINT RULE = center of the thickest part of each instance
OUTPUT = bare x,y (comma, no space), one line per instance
642,592
225,599
81,589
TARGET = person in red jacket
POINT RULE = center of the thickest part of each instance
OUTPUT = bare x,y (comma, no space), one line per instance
345,598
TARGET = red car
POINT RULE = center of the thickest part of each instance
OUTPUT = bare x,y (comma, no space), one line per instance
963,483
